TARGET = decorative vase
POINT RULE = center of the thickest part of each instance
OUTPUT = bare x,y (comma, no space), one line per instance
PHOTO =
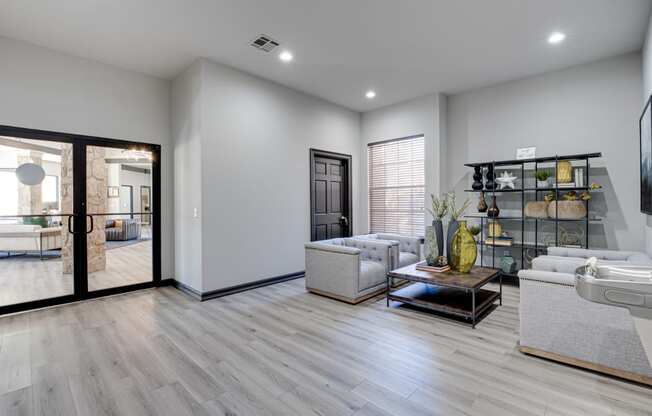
494,229
477,178
564,172
482,203
464,249
493,210
438,228
452,228
432,249
507,263
490,184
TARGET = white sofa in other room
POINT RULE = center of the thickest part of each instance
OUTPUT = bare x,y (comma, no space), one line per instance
27,237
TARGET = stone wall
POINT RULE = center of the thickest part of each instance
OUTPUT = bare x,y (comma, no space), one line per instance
96,201
66,207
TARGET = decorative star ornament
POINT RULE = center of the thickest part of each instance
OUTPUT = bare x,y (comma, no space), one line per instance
506,180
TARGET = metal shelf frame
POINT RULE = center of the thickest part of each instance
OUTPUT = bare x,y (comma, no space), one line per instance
536,190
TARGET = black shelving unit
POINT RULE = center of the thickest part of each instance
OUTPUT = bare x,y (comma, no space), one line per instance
536,162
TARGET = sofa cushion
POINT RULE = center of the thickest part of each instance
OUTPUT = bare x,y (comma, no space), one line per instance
639,259
405,259
18,228
372,274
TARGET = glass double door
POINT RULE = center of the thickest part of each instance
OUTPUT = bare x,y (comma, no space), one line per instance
78,218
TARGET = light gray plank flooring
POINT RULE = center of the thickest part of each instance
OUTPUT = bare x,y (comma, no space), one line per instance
281,351
27,278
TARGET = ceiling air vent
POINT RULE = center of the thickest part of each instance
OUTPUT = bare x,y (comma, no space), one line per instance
264,43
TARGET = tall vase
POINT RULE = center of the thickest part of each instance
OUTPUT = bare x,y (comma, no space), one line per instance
452,228
464,249
482,203
438,228
477,178
490,183
493,211
432,248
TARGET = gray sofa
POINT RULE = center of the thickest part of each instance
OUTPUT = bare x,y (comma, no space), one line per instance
122,230
405,250
556,323
347,269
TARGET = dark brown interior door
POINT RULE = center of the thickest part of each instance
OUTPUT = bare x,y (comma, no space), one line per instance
330,197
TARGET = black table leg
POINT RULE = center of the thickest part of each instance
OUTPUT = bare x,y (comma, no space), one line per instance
501,289
387,294
473,306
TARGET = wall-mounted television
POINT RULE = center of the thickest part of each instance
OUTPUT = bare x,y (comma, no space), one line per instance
645,132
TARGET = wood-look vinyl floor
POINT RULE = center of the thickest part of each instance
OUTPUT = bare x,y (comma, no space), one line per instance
279,350
27,278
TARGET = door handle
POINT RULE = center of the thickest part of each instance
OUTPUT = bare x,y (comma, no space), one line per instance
344,221
92,224
70,217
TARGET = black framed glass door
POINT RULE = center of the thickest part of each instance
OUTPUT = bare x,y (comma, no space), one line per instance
119,249
64,234
37,255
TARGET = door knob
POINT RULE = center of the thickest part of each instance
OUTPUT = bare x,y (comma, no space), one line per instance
344,221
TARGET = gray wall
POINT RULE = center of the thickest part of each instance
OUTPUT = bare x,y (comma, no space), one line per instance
587,108
186,133
254,192
647,90
424,115
48,90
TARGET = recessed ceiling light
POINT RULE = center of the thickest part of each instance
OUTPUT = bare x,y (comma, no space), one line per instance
556,37
285,56
370,94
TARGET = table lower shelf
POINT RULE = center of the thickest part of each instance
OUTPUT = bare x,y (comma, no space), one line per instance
447,301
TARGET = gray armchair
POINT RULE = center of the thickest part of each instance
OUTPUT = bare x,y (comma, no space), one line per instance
405,250
347,269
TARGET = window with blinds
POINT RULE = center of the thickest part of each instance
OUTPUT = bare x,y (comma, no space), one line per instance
397,186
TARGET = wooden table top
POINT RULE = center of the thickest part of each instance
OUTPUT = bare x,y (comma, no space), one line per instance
478,277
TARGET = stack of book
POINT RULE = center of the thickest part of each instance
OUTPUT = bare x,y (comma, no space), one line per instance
423,266
566,185
499,241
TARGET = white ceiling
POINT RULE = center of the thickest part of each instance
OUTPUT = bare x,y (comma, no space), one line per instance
400,48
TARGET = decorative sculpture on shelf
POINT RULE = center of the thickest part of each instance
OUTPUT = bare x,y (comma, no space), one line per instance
564,171
506,180
489,184
507,263
477,178
482,203
493,211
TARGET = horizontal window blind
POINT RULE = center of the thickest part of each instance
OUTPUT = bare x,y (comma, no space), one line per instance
397,186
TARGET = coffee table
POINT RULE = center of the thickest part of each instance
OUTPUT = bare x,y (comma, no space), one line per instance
451,294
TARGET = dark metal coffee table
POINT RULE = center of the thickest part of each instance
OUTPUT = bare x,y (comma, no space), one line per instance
451,294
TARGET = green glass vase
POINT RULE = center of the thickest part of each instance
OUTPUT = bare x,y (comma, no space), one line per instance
464,250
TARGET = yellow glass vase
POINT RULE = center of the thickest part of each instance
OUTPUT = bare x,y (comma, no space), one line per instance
464,250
